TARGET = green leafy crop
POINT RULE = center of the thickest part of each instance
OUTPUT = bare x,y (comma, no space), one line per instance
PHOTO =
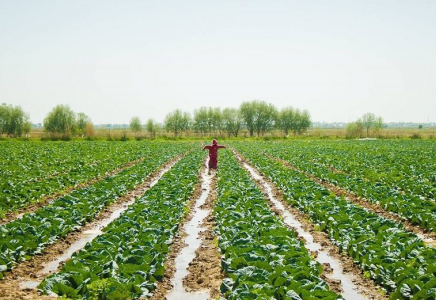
128,259
261,257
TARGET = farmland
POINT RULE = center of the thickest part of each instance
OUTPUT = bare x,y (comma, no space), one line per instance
370,205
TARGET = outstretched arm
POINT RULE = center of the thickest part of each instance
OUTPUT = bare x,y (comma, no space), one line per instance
206,147
221,146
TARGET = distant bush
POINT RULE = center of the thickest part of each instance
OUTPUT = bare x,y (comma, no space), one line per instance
416,136
124,137
354,130
58,137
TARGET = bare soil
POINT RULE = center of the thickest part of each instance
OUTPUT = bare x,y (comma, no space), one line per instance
34,206
337,171
205,270
365,286
31,269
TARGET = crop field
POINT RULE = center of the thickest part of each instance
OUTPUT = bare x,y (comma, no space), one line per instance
281,220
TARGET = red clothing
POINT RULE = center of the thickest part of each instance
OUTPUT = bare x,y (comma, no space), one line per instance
213,154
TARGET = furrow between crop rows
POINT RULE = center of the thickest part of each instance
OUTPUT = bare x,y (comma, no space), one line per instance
164,286
402,166
416,209
45,200
184,249
395,259
427,237
127,260
376,163
45,172
340,273
204,272
31,234
261,257
27,275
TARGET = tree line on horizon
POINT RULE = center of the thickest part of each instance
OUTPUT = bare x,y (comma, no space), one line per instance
257,117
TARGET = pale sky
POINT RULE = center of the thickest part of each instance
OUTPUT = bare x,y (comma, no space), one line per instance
117,59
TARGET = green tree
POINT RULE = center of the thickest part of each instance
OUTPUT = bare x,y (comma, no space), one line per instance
248,111
371,122
265,116
61,120
13,120
286,120
354,129
378,124
215,119
26,128
290,119
231,121
152,127
135,125
207,120
82,123
4,118
302,121
177,122
258,116
186,121
201,120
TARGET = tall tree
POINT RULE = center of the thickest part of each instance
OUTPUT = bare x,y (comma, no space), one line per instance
286,120
302,121
60,120
265,115
186,121
82,123
258,116
135,125
207,120
231,121
201,120
13,120
152,127
4,117
248,111
214,119
371,121
177,122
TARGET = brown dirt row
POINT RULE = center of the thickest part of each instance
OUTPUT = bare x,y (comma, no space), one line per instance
205,270
365,203
34,206
165,285
365,286
30,270
337,171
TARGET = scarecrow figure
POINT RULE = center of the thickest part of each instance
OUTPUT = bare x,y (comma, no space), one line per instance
213,154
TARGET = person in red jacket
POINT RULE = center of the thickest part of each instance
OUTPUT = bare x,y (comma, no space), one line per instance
213,154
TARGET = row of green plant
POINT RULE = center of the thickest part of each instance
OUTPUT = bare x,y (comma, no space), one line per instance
30,171
127,260
29,235
395,259
407,165
415,208
261,257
